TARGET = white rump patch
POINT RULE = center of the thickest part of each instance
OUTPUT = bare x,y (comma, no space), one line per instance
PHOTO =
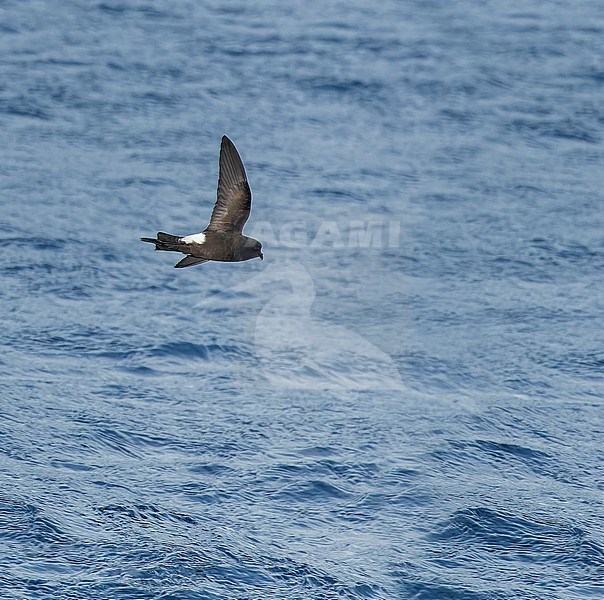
196,238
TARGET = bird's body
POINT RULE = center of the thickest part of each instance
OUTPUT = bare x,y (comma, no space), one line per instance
223,239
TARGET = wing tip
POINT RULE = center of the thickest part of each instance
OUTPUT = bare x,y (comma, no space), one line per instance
190,261
227,143
231,165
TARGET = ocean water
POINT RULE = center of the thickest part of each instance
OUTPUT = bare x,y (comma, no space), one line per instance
403,400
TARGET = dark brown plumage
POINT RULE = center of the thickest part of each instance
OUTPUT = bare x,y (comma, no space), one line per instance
223,239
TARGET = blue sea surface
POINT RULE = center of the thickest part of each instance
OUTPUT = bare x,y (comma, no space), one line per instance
403,400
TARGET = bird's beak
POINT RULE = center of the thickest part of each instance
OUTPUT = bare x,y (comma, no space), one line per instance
261,256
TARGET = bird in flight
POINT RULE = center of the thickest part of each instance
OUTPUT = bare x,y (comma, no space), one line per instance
222,239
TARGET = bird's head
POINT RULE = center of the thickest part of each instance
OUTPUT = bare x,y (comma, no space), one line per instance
253,249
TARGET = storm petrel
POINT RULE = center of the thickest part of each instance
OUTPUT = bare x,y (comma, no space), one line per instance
222,239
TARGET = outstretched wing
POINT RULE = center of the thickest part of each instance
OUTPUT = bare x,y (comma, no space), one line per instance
189,261
234,202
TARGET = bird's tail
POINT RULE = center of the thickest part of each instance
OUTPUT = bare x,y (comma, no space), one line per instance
166,241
